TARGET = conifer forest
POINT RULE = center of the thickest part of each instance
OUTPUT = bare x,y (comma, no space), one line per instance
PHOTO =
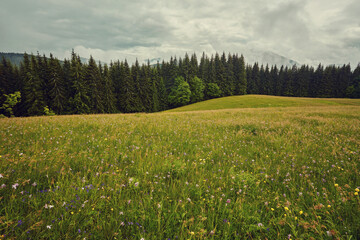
46,85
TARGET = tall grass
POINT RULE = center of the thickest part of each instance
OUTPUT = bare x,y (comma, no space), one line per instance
275,173
263,101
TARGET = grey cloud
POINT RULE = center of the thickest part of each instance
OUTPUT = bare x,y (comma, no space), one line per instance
150,29
285,23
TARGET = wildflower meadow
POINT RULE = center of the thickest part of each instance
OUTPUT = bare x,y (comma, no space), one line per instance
256,173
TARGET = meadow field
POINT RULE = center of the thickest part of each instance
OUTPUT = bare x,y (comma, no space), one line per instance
275,172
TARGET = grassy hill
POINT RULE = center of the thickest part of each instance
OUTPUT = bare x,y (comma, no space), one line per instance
263,101
251,173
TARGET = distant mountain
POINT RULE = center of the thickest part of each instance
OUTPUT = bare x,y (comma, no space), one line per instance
153,61
251,56
17,58
14,58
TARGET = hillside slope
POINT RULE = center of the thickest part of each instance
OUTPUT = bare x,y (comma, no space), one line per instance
263,101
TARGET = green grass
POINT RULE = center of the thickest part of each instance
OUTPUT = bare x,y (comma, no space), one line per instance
250,173
263,101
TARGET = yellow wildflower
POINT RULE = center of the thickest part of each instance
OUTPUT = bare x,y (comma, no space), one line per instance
301,212
356,190
356,193
336,185
286,208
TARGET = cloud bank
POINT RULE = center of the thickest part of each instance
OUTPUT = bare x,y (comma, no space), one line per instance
307,31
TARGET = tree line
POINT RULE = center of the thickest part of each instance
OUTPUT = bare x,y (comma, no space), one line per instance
43,86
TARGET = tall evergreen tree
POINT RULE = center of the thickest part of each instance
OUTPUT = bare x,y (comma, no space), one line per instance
57,94
274,76
33,90
220,75
96,88
108,93
194,68
162,95
230,77
255,79
79,101
128,97
240,80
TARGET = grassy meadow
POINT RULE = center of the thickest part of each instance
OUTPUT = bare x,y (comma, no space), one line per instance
263,101
255,173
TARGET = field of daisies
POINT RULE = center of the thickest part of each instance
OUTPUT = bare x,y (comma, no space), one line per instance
264,173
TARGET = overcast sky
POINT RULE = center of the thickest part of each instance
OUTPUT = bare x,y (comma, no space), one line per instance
307,31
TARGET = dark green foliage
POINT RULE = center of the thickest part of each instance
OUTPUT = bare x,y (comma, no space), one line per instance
108,92
161,89
180,93
240,80
128,96
253,74
56,85
33,89
220,77
10,101
93,80
79,94
213,90
353,90
197,89
70,87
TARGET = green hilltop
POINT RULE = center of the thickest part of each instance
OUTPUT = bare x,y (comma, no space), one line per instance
263,101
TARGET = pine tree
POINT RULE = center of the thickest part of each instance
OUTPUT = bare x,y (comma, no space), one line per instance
221,74
255,79
230,77
280,82
96,87
108,92
194,68
240,80
274,74
33,90
57,94
288,81
211,79
128,96
138,90
145,88
162,95
79,100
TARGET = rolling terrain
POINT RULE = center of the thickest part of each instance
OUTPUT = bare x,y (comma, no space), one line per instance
263,101
260,168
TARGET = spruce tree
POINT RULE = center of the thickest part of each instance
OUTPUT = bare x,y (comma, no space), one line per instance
33,90
79,100
109,100
240,80
57,94
96,87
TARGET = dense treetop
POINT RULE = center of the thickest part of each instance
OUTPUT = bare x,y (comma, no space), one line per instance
48,85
